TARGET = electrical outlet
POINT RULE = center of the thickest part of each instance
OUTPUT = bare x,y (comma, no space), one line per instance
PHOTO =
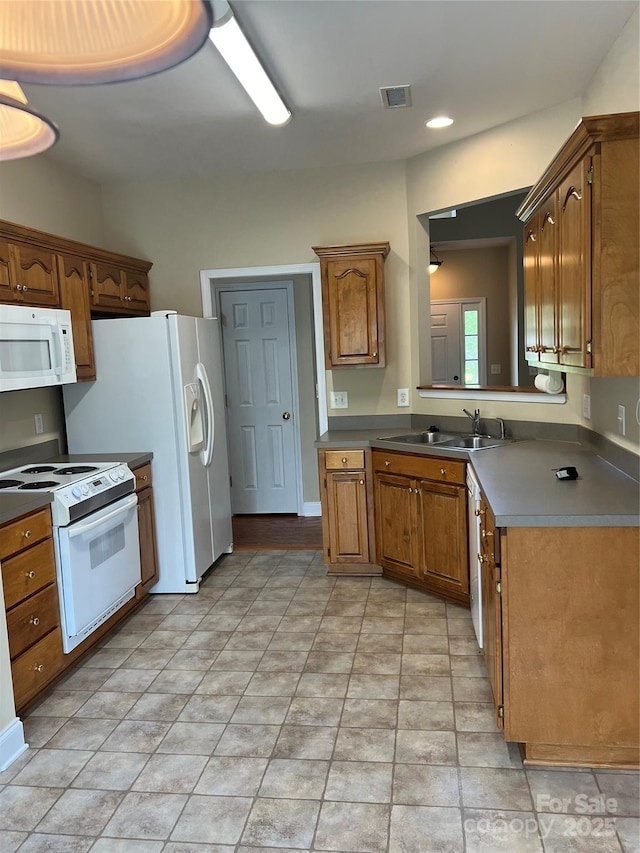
621,420
403,396
496,368
37,421
339,400
586,406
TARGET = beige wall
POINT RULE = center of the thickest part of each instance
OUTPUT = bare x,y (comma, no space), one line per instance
470,273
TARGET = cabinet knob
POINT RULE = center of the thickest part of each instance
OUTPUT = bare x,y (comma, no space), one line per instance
556,349
144,477
374,354
30,575
34,620
38,667
479,512
443,471
532,349
24,288
410,490
18,287
26,534
361,482
386,464
482,558
486,534
344,460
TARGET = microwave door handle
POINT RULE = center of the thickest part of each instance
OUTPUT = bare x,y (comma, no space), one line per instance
56,338
207,452
79,529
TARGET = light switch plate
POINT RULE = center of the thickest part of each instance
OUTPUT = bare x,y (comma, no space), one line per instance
339,400
621,420
496,368
586,406
39,426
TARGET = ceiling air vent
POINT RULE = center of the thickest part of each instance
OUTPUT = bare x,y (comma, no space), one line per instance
395,96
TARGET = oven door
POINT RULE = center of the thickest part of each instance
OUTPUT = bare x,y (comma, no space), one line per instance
99,567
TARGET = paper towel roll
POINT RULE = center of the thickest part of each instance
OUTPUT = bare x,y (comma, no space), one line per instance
549,383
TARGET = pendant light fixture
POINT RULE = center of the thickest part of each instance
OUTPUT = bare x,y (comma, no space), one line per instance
75,42
434,262
23,131
236,51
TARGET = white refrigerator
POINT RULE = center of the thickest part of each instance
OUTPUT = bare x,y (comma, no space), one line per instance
159,388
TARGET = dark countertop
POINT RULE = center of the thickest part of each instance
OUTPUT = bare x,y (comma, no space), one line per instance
519,482
16,504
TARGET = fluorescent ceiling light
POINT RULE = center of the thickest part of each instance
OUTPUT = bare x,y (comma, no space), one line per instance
239,56
71,42
439,121
23,131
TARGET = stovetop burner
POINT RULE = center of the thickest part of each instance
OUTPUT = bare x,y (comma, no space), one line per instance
40,484
38,469
10,484
75,469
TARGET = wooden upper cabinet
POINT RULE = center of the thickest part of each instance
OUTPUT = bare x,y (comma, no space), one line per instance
574,259
583,269
107,286
75,297
6,286
136,292
34,274
353,304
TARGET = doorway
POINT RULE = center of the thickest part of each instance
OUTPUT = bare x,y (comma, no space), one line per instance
459,342
312,407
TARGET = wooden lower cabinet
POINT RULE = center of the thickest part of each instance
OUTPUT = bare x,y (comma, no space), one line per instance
146,530
347,512
421,522
561,643
31,604
491,590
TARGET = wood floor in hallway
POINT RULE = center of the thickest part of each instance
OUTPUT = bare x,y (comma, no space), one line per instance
268,532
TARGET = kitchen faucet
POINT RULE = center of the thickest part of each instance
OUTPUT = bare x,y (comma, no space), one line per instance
503,432
475,420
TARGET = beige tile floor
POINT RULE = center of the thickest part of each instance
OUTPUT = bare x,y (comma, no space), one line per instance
280,708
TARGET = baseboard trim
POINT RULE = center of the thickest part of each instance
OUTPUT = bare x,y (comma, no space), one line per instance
311,508
12,743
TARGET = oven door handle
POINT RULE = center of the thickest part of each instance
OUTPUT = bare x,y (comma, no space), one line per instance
79,529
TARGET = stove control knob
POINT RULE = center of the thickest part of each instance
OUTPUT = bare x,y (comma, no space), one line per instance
85,490
76,491
121,474
114,476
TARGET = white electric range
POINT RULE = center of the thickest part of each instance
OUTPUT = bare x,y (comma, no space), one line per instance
95,527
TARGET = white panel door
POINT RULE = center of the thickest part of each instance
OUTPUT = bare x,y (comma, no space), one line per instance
257,357
446,354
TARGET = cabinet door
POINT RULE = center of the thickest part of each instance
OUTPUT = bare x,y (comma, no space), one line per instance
352,291
136,292
75,297
396,523
35,272
146,528
492,610
7,287
547,301
442,532
574,266
348,521
107,286
530,250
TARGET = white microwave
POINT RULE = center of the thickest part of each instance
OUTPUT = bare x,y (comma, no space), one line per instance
36,347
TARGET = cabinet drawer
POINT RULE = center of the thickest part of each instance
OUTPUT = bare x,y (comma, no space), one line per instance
143,476
344,459
29,621
426,467
28,572
27,531
34,669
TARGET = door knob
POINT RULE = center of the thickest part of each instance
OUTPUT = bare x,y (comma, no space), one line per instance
286,416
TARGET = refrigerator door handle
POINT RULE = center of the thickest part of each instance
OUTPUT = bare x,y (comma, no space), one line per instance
207,451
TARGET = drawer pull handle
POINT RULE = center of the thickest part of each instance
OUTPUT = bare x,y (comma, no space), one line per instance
344,460
38,667
34,620
26,534
30,575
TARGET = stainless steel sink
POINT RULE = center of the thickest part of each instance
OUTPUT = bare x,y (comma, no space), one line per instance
420,438
473,442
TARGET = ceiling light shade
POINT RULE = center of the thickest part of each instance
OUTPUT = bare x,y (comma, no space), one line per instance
236,51
439,121
434,262
23,131
72,42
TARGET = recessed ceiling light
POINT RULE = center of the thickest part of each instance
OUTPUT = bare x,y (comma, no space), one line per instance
439,121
